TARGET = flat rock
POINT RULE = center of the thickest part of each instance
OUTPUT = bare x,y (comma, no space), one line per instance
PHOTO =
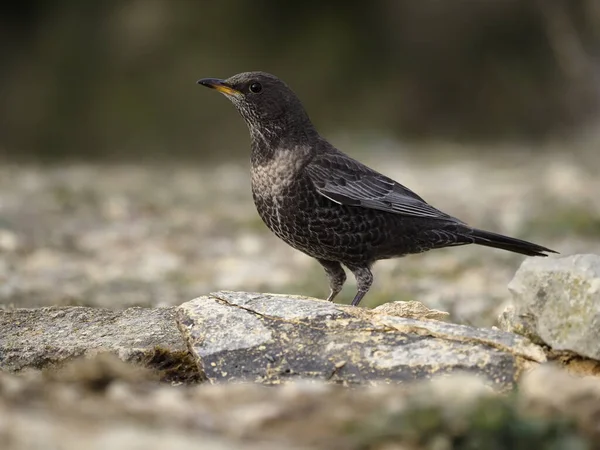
42,337
268,338
557,302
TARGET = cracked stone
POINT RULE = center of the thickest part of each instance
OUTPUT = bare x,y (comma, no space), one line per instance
268,338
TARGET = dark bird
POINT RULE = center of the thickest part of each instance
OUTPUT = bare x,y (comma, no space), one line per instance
328,205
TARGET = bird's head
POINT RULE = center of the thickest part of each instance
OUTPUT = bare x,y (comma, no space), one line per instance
270,108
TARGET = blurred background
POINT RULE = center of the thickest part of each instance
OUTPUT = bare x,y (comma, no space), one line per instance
124,183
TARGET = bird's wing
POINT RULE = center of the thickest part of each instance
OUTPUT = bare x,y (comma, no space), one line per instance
348,182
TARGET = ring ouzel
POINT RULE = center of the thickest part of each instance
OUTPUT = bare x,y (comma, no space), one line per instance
328,205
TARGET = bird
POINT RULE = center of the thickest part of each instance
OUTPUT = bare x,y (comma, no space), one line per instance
330,206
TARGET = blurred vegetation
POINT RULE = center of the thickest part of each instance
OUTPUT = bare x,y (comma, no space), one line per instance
116,78
489,423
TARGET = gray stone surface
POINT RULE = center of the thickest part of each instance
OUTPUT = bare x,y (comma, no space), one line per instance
281,338
42,337
557,302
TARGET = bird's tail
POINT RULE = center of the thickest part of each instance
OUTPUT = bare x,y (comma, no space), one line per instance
489,239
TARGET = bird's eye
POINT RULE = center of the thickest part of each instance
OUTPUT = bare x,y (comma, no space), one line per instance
255,88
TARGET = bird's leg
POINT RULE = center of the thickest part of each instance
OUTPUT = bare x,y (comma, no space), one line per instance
364,279
336,275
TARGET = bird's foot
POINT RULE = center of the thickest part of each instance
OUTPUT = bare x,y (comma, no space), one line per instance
336,275
364,279
358,297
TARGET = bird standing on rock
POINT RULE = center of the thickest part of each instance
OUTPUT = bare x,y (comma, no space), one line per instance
328,205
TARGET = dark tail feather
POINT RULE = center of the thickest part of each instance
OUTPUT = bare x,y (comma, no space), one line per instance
494,240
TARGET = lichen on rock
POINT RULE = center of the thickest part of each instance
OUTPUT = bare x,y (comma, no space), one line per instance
557,302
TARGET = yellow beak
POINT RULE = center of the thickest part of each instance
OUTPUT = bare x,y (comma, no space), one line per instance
219,85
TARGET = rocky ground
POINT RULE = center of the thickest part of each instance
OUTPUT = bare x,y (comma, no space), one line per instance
119,235
104,403
248,371
115,237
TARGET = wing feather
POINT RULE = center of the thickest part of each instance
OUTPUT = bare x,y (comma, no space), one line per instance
348,182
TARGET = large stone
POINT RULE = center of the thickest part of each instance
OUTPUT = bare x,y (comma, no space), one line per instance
271,338
557,302
43,337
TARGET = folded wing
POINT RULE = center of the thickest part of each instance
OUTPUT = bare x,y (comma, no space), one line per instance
348,182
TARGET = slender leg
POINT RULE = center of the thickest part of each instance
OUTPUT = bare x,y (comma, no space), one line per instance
336,275
364,279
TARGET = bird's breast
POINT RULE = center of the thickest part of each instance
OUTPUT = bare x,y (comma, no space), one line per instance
281,194
273,177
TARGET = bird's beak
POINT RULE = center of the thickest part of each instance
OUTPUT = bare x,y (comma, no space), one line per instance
219,85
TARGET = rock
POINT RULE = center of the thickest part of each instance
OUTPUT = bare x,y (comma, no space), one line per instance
511,322
44,337
575,364
411,310
272,338
39,410
557,302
